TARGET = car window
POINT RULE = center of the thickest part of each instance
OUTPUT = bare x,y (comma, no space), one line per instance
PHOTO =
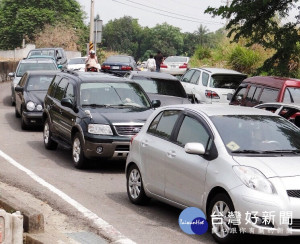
187,76
60,90
23,67
163,124
205,78
39,82
53,85
70,92
192,130
195,77
250,94
240,94
292,95
176,59
226,81
256,95
119,59
77,61
268,95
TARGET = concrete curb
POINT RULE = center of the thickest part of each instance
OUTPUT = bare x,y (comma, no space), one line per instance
33,219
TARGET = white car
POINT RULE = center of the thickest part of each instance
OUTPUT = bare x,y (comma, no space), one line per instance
175,65
211,85
239,165
77,63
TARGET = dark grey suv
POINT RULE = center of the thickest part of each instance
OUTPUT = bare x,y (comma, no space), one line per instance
94,114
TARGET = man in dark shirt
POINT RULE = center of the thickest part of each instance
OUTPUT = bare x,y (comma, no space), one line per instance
158,59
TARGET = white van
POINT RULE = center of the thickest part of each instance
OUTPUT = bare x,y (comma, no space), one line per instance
211,85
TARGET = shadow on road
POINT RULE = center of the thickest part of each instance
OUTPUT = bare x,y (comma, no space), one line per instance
7,102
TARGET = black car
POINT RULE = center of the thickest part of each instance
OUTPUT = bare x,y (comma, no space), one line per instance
164,87
94,114
30,93
119,64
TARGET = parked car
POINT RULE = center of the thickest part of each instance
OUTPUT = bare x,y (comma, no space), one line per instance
27,65
77,63
119,64
211,85
57,53
30,94
94,114
175,65
290,111
239,165
264,89
159,86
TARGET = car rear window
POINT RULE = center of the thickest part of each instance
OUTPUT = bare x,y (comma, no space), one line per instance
160,86
42,53
226,81
118,59
292,95
23,67
176,59
77,61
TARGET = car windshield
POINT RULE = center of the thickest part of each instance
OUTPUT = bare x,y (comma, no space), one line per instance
292,95
23,67
226,81
113,94
257,133
39,82
176,60
160,86
77,61
117,59
41,53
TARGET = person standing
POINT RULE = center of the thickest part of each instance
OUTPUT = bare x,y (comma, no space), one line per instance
151,63
158,60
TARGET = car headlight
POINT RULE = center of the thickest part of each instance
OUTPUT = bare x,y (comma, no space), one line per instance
99,129
30,106
39,107
254,179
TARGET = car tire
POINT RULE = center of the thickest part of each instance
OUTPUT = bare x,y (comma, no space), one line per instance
135,187
78,157
224,204
17,114
24,126
48,142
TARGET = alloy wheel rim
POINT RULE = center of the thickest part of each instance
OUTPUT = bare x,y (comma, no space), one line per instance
76,149
135,183
46,133
221,226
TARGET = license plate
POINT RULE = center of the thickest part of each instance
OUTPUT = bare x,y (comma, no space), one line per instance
115,67
173,66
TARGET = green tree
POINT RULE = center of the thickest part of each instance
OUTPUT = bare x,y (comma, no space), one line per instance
257,21
25,18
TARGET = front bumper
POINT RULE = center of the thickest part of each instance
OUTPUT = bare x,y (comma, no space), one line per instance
33,118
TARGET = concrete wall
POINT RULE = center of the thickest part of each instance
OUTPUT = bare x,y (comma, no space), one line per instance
17,54
5,68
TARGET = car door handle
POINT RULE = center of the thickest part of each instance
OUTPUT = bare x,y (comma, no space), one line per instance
144,143
171,154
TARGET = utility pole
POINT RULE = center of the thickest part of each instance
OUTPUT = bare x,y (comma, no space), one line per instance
91,46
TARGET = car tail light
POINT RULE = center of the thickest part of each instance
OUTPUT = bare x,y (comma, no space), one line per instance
132,138
184,66
164,66
105,67
125,67
211,94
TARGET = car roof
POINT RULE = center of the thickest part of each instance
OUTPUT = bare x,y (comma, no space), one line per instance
220,71
157,75
42,72
272,81
45,48
222,109
291,105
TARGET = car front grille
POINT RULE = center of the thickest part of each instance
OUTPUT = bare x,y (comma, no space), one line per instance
295,224
293,193
128,130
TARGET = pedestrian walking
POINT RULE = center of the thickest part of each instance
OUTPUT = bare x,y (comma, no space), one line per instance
151,63
158,59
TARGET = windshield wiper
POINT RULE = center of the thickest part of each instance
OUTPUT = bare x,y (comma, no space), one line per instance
283,151
248,151
95,105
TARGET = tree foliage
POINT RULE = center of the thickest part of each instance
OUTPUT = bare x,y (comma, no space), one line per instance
258,22
25,18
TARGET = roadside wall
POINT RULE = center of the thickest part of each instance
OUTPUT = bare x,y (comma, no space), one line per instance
16,54
5,68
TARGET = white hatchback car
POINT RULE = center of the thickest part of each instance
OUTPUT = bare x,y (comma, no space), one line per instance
239,165
175,65
211,85
77,63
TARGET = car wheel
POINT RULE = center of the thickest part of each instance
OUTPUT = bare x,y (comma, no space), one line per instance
221,228
24,126
77,152
48,142
17,114
135,188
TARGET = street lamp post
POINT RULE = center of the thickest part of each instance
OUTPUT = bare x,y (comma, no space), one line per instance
92,24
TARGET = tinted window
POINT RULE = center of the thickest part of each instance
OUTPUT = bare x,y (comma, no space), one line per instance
250,94
53,86
70,92
192,130
118,59
160,86
240,94
226,81
187,76
23,67
268,95
163,128
292,95
39,82
195,77
60,90
256,95
205,78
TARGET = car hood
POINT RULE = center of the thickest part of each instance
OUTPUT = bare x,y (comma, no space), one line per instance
119,115
281,166
168,100
35,96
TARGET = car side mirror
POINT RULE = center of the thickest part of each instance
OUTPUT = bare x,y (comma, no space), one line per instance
67,102
155,103
19,89
59,66
194,148
11,74
229,96
59,57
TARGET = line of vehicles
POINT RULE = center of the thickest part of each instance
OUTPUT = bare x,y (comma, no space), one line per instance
221,158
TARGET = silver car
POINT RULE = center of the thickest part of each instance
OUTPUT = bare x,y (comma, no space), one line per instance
239,165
